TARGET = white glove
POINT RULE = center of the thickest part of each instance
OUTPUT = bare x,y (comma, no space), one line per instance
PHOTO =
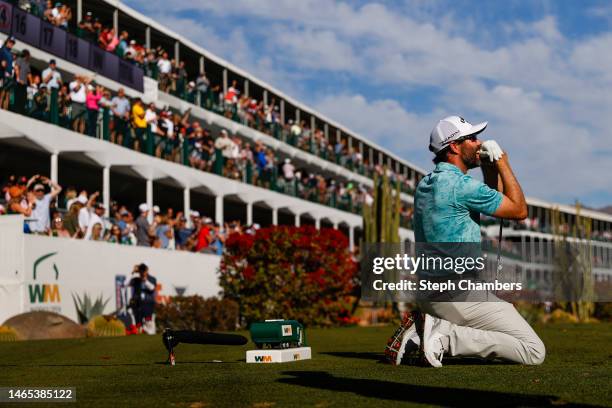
494,152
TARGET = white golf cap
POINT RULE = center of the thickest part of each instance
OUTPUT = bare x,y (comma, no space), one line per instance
143,207
82,199
156,209
450,129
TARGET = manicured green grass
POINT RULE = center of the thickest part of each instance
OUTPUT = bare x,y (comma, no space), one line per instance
345,372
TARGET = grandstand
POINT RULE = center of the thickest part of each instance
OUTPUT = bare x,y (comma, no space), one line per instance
210,142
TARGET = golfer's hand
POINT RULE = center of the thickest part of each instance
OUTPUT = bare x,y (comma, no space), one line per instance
493,150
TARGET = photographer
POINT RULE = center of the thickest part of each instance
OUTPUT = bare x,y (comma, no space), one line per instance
142,302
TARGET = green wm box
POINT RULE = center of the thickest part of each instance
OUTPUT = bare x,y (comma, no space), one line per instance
278,341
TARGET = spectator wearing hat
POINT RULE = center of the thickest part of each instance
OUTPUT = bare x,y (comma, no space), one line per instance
142,302
132,50
191,94
86,210
86,27
95,218
42,202
51,77
120,107
20,203
145,232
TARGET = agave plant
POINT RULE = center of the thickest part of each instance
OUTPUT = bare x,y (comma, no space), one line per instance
86,309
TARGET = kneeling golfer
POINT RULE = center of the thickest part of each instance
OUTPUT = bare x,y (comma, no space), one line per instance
447,205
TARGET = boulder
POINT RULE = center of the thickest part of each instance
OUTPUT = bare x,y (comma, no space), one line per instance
44,325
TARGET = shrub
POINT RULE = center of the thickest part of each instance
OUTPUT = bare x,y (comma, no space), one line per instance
197,313
290,272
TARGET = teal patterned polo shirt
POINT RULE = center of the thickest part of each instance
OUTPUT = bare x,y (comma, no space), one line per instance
448,203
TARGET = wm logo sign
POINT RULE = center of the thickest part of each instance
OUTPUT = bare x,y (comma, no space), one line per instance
44,293
263,359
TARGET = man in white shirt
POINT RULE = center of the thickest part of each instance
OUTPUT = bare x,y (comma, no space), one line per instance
78,95
51,77
95,217
164,65
225,144
40,213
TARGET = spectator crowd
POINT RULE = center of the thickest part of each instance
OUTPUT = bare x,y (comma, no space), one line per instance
79,215
173,77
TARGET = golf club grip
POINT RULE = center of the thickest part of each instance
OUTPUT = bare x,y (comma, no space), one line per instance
198,337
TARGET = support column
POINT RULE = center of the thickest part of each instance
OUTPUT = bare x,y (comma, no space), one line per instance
297,115
351,238
79,10
116,21
265,97
249,217
318,223
275,216
219,209
106,190
150,199
246,88
335,225
202,67
224,81
54,167
187,205
297,220
282,111
148,37
177,51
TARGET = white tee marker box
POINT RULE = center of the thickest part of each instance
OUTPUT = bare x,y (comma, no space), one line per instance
266,356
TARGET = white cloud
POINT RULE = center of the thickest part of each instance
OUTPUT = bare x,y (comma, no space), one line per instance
546,95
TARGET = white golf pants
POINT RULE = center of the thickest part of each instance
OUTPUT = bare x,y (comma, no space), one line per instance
488,330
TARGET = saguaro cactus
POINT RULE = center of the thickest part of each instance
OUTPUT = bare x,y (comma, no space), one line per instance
381,220
573,263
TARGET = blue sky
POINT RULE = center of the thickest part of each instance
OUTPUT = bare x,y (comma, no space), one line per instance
539,71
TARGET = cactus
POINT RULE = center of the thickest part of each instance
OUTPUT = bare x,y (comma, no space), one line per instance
105,326
7,333
573,264
381,220
86,309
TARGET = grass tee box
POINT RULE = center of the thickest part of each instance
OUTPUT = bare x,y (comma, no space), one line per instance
345,371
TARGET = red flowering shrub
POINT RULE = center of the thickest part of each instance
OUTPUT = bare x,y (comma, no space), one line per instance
290,272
